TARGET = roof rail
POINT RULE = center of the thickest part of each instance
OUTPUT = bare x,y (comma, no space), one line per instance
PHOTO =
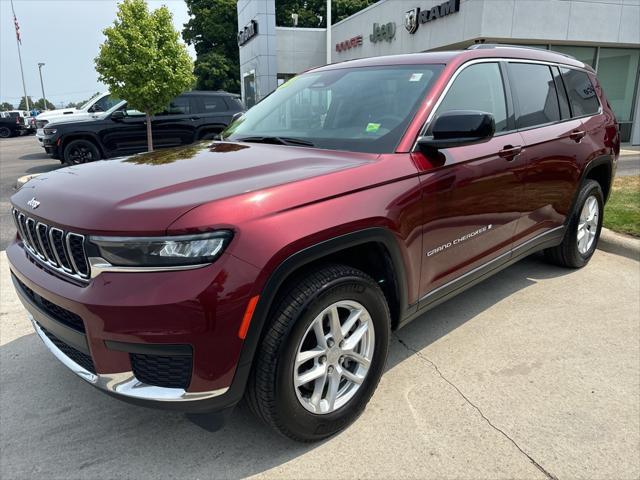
486,46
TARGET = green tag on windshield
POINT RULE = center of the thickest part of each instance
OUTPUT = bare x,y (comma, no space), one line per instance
373,127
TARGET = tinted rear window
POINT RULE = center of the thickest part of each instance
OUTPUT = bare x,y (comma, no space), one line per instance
211,104
582,94
535,93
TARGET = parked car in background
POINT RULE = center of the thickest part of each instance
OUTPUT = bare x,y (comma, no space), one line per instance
277,261
10,126
189,117
92,109
24,118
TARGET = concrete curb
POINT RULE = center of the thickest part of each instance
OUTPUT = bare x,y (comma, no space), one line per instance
619,244
22,180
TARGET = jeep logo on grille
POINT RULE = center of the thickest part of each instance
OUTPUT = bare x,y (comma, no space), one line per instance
33,203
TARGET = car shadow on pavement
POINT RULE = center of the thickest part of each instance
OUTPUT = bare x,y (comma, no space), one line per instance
43,168
35,156
55,423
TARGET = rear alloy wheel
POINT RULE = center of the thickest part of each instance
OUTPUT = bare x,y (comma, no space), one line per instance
322,355
5,132
80,151
583,230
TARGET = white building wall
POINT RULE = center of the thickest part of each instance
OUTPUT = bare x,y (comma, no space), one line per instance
300,49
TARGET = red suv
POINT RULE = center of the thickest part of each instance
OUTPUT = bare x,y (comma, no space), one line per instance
274,263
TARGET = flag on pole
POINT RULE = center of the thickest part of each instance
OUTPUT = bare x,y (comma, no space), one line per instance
17,25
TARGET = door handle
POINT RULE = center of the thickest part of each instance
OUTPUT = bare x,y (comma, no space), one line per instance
577,135
195,118
509,152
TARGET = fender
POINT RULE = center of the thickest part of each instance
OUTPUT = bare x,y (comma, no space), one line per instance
293,263
596,162
214,128
80,136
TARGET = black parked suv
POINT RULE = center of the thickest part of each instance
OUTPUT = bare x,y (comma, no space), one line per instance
189,117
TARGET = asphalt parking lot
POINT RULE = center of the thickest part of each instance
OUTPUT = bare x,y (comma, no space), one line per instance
534,373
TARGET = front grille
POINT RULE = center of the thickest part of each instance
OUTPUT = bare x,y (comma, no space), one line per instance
62,251
170,371
77,356
58,313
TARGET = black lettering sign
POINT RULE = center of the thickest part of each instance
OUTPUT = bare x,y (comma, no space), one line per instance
414,17
247,33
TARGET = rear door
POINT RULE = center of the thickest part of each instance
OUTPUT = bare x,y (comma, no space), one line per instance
472,198
553,143
126,136
176,125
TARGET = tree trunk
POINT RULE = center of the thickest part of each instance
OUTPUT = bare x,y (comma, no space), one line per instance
149,133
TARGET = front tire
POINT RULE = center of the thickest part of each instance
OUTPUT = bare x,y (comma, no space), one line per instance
583,230
80,151
323,354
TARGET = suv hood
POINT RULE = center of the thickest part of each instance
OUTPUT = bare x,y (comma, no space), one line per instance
147,192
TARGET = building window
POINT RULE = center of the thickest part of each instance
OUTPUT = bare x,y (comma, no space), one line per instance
618,74
584,54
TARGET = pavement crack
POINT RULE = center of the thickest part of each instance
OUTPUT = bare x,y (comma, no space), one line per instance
425,359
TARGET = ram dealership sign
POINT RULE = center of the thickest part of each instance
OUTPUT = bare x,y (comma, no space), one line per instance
349,44
247,33
414,17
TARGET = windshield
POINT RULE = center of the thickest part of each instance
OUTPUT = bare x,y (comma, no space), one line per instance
356,109
88,103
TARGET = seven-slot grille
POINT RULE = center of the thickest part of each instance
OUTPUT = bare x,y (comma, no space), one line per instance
62,251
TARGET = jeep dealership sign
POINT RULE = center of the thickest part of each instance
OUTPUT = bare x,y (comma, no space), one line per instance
414,17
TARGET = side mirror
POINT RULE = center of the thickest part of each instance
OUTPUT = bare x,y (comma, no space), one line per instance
118,116
236,116
459,127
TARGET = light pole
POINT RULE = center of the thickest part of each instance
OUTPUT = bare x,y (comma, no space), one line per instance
40,65
328,31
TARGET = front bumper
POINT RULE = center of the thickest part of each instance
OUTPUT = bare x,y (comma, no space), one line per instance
142,313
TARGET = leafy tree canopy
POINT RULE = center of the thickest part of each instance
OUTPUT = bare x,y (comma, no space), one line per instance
23,104
6,106
142,59
40,105
213,31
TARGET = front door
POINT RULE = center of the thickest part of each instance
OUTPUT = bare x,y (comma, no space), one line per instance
471,197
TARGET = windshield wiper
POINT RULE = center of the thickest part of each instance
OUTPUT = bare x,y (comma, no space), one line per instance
279,141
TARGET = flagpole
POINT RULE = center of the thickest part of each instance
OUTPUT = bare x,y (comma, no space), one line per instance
24,86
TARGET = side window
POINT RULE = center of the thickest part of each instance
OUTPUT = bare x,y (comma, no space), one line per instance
581,93
212,104
478,87
178,106
105,103
535,92
565,112
234,103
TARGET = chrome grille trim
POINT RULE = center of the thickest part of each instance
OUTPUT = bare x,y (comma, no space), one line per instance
39,239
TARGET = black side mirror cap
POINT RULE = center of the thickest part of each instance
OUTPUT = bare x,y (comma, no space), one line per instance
117,116
459,127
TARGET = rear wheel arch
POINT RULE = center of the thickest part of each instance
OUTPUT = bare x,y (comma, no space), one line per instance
599,169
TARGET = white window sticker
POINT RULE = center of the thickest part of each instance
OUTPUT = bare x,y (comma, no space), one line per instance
415,77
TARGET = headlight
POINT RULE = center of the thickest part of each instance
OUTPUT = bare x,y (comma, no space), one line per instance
50,131
160,251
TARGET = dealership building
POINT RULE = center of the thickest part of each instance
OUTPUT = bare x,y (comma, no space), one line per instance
602,33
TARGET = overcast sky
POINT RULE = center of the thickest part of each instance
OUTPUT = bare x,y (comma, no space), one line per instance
65,35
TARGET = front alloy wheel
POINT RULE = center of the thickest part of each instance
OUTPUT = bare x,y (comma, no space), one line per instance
334,356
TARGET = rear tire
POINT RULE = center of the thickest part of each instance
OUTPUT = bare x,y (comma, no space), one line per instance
5,132
321,406
80,151
583,230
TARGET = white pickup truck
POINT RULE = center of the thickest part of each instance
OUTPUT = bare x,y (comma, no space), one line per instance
96,105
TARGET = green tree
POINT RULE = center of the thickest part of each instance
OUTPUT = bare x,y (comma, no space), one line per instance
213,31
6,106
40,105
143,60
23,104
312,13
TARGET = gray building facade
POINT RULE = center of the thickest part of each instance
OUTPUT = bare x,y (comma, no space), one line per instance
602,33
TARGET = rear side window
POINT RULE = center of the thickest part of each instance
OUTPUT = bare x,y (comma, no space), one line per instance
211,104
582,94
535,93
234,104
478,87
178,106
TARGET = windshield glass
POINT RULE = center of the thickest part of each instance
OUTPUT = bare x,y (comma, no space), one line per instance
87,104
356,109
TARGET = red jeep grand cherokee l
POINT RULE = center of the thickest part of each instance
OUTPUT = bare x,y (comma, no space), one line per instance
275,263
